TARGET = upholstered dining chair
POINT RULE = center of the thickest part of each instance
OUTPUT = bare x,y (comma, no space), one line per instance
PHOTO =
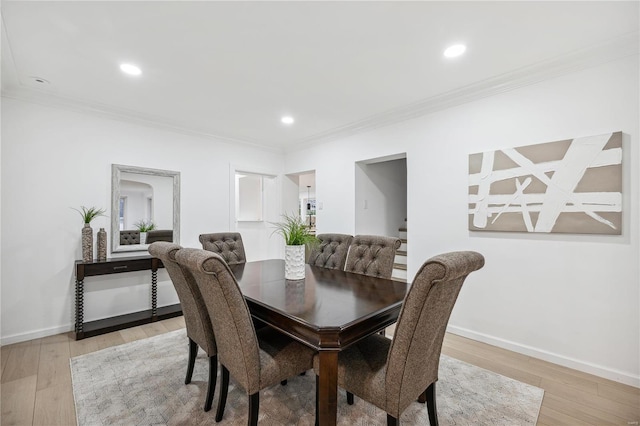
129,237
331,253
372,255
256,360
227,244
159,235
196,316
391,374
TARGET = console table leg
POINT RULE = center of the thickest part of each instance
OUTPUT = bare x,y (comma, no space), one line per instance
154,295
79,309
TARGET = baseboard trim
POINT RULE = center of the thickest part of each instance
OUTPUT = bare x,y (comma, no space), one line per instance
576,364
45,332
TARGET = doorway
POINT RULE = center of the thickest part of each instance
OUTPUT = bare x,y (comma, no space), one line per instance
300,198
381,195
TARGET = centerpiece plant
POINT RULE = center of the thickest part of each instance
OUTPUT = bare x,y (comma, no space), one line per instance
297,236
144,226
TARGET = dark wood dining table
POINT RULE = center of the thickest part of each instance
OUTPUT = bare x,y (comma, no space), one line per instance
328,311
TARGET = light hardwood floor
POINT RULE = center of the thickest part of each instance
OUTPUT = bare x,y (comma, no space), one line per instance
36,379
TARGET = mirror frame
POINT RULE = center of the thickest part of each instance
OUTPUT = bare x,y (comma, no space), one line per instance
116,171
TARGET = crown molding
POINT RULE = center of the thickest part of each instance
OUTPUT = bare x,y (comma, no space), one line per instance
610,50
125,115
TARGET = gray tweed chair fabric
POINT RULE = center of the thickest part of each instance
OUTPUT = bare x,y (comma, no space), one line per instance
331,253
391,374
372,255
159,235
255,360
227,244
196,316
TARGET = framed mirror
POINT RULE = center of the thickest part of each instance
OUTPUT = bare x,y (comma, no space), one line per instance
145,207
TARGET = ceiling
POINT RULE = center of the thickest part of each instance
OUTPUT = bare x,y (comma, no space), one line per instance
231,69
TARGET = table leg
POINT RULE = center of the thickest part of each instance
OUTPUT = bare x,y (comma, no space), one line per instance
154,295
79,326
328,388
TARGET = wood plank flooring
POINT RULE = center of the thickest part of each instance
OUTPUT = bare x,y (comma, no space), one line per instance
36,379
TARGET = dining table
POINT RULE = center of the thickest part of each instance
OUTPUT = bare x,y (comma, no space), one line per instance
328,310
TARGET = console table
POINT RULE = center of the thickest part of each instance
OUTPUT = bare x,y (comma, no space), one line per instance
117,266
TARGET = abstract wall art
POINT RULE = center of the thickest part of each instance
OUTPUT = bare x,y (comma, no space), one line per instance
569,186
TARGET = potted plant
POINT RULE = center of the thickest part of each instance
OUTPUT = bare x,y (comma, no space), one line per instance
297,236
144,226
88,214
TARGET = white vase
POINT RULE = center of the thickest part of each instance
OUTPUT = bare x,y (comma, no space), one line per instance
294,262
143,238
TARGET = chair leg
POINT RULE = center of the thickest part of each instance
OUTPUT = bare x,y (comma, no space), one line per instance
211,388
222,398
392,421
193,352
349,398
431,404
254,406
423,397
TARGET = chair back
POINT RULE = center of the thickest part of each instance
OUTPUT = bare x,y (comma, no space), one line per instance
414,354
372,255
226,244
160,235
195,313
129,237
238,348
331,253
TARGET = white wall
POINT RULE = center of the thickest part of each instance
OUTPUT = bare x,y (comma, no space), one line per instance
381,197
571,299
54,159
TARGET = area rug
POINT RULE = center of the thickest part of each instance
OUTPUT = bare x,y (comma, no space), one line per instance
142,383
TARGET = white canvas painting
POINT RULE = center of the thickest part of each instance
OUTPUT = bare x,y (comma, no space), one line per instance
570,186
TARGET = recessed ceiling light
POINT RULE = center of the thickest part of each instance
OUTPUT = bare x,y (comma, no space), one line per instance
455,50
287,119
130,69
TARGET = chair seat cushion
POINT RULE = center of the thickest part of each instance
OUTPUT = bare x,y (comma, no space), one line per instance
281,357
362,368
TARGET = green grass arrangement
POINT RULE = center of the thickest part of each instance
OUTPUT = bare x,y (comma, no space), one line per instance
294,231
144,226
88,214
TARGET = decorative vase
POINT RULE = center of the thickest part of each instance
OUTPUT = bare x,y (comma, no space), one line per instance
87,243
294,262
102,245
143,238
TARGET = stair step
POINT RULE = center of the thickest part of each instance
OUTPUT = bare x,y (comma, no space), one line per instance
403,240
400,266
399,279
401,252
403,229
399,275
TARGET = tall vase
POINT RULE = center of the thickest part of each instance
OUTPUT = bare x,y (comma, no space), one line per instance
294,262
102,245
87,243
